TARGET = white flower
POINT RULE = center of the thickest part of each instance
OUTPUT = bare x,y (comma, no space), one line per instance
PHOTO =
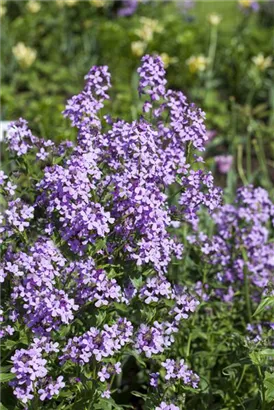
24,55
197,63
138,48
261,62
214,19
33,6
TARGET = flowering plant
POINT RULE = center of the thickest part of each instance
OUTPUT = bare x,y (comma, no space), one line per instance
87,252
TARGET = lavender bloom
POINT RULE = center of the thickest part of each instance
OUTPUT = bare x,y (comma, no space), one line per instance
106,205
188,4
51,388
16,218
179,371
29,367
93,284
153,340
19,137
139,159
242,226
34,277
128,8
3,177
184,305
199,190
20,140
109,370
156,288
154,379
164,406
224,163
152,77
87,104
98,344
6,329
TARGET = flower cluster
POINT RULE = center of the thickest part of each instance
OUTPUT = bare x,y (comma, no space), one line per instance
128,8
241,245
127,168
180,371
86,283
100,344
164,406
29,366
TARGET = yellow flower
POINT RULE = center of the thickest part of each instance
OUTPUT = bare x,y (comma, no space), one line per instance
98,3
261,62
214,19
69,3
149,27
138,48
245,3
167,60
24,55
33,6
197,63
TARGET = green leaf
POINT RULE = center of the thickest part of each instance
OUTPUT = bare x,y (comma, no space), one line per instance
269,387
269,301
5,369
138,357
267,352
138,394
6,377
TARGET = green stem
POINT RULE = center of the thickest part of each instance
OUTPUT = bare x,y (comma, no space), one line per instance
241,378
246,288
248,157
190,337
211,54
240,165
262,387
259,148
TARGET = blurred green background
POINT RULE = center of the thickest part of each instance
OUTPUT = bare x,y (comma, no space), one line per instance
219,53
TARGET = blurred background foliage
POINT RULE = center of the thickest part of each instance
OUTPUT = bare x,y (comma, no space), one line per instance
219,53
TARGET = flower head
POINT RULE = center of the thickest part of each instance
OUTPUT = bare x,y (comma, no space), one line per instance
261,62
24,55
197,63
214,19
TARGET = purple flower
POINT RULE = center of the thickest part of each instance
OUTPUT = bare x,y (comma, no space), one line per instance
152,77
179,371
128,8
19,137
50,388
109,370
164,406
237,227
29,368
224,163
154,377
3,177
17,217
